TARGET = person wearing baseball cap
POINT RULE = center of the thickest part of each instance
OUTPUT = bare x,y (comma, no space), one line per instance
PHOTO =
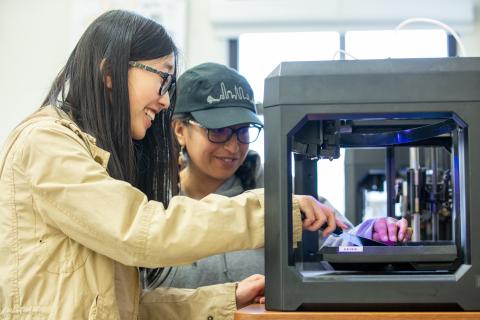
216,96
215,120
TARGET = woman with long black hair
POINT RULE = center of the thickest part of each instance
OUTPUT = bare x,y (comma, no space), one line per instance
88,185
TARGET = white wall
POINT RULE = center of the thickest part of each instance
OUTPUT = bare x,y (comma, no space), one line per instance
36,37
203,41
34,45
212,22
472,39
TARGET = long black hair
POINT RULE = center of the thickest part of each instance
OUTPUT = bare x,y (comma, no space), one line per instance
109,43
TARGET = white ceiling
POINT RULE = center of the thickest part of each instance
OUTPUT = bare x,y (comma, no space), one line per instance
338,14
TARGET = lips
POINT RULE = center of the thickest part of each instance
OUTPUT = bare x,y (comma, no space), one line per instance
228,159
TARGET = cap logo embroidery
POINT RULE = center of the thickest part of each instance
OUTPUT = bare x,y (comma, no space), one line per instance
237,94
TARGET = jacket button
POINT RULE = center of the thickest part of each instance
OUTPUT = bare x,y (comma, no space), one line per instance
209,318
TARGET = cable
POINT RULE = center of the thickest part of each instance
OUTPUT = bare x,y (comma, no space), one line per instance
438,23
344,52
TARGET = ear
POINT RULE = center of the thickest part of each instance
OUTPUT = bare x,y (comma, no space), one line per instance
180,130
107,78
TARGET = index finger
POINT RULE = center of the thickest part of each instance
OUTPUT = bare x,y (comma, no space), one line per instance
308,215
314,217
380,227
331,221
392,230
402,229
318,219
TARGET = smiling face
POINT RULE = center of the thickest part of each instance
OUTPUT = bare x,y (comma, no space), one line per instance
216,161
143,91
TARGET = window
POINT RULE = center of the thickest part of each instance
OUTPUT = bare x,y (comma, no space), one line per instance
260,53
390,44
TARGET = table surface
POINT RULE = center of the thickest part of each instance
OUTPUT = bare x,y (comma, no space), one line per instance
257,311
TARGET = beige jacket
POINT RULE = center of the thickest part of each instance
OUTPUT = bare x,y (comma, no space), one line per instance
71,236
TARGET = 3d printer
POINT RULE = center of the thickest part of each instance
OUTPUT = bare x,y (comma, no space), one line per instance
418,118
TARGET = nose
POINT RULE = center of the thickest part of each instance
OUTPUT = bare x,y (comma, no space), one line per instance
232,144
164,101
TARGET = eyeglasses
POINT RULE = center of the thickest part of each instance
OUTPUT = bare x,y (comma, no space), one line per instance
168,80
245,134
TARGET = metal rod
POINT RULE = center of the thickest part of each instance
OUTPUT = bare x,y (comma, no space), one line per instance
390,178
433,195
415,208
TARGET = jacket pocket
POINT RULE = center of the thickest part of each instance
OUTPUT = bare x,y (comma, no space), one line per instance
61,254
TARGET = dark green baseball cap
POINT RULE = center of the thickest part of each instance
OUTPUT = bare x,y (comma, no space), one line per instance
216,96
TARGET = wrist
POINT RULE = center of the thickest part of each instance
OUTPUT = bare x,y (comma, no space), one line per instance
236,298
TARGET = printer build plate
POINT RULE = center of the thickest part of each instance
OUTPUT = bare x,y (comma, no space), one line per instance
417,255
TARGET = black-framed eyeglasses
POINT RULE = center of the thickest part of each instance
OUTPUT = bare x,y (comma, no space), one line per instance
168,80
245,134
